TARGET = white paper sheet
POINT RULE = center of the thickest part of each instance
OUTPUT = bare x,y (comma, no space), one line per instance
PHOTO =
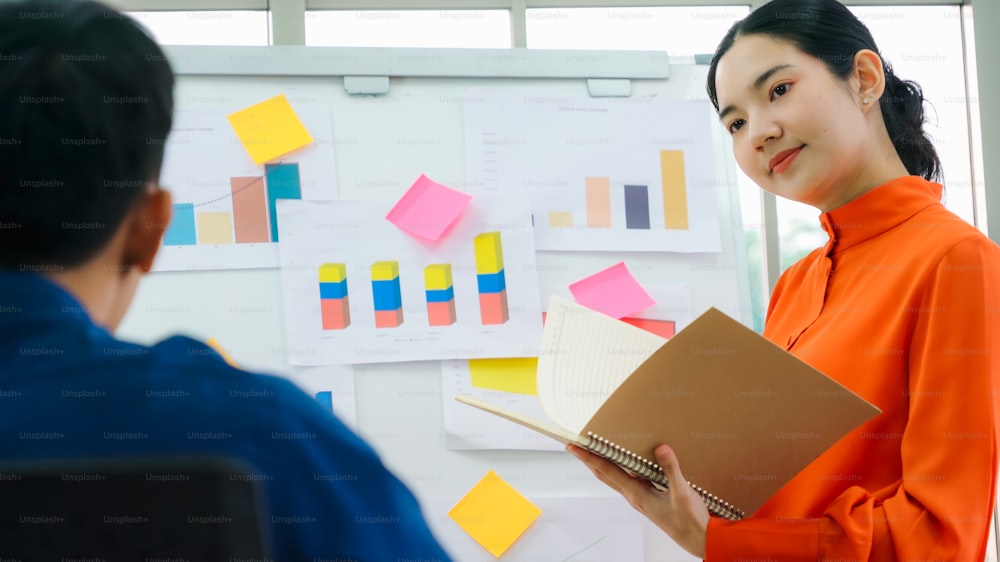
355,233
549,145
202,154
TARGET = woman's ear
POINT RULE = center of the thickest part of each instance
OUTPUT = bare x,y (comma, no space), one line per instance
870,77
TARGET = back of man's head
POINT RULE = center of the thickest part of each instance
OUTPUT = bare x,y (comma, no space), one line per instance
88,98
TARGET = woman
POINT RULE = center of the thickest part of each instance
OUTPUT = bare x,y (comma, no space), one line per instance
902,305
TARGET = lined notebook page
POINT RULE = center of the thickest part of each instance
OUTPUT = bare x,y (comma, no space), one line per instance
584,356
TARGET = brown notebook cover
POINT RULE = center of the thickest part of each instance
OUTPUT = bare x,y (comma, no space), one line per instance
743,415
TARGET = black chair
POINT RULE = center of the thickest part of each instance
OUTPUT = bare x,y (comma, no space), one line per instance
130,509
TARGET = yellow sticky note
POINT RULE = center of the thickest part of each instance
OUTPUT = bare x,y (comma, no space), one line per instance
494,514
518,375
269,129
214,344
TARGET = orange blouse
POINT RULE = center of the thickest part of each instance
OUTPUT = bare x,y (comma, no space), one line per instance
902,306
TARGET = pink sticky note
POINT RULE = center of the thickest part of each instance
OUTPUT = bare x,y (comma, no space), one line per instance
428,208
612,291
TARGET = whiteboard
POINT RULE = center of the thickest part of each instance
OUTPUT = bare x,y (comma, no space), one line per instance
382,143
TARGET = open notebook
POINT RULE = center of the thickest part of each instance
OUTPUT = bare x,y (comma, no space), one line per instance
743,415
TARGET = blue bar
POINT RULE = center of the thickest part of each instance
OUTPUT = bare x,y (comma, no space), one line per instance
325,398
333,290
386,295
441,295
491,282
282,183
181,232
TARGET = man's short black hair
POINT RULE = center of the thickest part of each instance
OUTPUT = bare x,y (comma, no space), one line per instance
87,100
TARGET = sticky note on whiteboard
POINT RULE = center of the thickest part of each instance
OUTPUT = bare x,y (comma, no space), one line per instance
269,129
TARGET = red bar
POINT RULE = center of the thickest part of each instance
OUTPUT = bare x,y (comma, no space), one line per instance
336,313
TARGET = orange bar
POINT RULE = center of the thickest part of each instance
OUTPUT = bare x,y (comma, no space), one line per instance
336,313
388,318
598,202
675,212
493,307
249,209
441,313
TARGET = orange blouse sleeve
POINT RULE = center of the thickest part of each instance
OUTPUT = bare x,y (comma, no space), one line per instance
942,506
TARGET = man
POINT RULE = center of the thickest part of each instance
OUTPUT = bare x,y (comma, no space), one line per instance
87,102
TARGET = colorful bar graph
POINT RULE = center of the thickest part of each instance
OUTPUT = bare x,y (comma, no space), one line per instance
335,307
637,207
440,294
282,183
386,294
560,219
598,202
214,227
675,212
181,231
249,209
490,278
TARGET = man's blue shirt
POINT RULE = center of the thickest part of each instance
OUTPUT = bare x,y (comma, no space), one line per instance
70,389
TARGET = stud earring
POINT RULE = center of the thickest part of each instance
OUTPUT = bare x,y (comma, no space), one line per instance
867,100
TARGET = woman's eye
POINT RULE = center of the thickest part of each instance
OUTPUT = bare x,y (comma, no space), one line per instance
736,126
779,90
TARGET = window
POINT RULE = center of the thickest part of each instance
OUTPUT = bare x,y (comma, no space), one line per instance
680,31
409,28
243,27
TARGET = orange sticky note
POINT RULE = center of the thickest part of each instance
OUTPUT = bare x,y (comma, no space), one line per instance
214,344
269,129
494,514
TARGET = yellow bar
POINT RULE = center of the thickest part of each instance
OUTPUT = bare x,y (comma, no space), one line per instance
489,253
385,270
332,272
598,202
518,375
215,227
560,219
437,276
675,212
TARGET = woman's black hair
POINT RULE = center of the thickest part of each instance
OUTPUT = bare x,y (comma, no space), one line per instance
828,31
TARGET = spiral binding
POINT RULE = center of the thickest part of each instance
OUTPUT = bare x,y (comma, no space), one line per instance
652,472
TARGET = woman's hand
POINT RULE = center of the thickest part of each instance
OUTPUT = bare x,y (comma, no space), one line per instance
680,512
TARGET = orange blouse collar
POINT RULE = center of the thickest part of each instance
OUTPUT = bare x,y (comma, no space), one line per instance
878,210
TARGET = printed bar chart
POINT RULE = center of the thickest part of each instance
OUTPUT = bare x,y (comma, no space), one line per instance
282,183
598,202
675,212
386,295
335,307
490,278
249,209
637,207
440,294
253,215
